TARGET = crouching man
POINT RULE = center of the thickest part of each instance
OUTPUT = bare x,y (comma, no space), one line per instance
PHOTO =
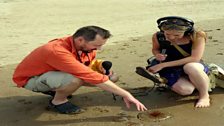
62,66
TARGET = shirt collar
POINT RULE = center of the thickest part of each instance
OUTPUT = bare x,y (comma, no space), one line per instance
73,44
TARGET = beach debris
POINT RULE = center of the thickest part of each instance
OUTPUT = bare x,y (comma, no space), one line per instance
216,76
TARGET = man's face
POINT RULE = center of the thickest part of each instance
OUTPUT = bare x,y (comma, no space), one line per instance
93,45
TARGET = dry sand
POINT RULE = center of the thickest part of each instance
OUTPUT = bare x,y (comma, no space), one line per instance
26,24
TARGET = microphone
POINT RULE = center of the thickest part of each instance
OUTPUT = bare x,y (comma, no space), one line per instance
107,65
163,51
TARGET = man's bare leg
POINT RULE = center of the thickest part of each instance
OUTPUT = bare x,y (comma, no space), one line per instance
62,92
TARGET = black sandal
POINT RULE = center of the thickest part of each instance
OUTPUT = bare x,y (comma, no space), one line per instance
145,73
65,108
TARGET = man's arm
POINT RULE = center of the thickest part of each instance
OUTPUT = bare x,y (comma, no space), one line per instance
128,98
65,61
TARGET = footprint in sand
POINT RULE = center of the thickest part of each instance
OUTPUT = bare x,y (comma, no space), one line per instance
208,30
153,116
101,110
134,124
21,100
24,101
209,37
120,119
86,98
122,83
219,53
27,102
126,44
135,39
133,52
115,57
121,48
123,117
143,55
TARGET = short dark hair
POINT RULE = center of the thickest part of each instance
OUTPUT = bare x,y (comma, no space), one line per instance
89,33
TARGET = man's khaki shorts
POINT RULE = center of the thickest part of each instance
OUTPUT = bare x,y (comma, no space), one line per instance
49,81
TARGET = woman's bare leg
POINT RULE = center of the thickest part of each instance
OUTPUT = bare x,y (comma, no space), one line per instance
200,81
183,87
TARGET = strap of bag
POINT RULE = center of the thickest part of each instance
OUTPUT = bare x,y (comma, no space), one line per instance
184,53
162,40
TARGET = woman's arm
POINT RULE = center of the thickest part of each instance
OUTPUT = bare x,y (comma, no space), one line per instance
156,49
155,45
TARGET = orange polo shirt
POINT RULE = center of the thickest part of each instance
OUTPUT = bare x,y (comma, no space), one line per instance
57,55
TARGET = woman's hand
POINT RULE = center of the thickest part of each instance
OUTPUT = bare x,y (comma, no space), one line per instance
160,57
156,68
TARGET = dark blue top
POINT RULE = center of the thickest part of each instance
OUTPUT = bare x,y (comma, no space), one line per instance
174,54
171,51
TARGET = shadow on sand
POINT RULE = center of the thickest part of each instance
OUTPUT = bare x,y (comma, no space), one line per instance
33,108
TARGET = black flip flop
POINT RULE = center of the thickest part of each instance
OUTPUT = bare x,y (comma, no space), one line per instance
65,108
145,73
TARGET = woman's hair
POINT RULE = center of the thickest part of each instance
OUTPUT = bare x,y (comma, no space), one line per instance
89,33
173,27
187,28
175,24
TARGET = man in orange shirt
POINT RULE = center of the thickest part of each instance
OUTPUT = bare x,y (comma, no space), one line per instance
62,66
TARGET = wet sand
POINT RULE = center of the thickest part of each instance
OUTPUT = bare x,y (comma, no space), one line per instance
129,47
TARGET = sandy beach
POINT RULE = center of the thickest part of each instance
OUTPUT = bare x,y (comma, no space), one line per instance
27,24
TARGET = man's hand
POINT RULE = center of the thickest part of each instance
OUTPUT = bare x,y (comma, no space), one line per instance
131,99
128,98
113,77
